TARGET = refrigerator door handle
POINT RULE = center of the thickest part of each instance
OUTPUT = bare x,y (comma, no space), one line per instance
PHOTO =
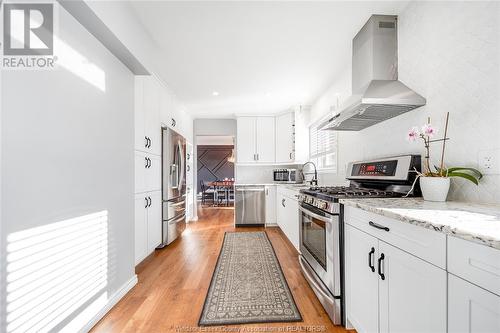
181,165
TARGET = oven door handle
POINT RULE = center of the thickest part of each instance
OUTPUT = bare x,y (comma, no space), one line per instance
319,217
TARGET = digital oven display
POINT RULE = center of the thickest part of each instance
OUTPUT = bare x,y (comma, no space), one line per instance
382,168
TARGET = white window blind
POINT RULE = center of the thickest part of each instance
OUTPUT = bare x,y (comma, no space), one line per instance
323,148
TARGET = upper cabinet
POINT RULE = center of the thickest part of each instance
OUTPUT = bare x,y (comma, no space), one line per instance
147,115
173,115
256,139
285,138
281,139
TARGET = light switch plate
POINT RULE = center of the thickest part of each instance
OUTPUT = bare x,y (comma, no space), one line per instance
488,161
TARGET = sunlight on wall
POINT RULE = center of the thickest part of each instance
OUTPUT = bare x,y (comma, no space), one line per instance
68,58
76,63
54,269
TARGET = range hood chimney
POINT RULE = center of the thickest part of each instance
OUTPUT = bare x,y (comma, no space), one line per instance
377,95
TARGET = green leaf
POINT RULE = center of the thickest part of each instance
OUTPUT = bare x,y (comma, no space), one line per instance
478,174
463,175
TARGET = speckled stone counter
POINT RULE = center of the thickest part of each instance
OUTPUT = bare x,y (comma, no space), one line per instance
479,223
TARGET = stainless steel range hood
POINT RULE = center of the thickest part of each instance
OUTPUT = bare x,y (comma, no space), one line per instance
377,93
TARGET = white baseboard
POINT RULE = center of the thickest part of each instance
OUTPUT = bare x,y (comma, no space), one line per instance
115,298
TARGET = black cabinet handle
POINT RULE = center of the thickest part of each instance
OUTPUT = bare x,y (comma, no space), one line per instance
382,276
370,259
146,206
149,142
378,226
188,168
283,202
173,122
146,144
146,160
150,202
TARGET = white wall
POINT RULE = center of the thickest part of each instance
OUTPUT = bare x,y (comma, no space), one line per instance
450,53
67,152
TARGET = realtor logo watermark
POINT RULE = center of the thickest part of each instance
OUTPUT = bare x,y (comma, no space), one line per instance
28,36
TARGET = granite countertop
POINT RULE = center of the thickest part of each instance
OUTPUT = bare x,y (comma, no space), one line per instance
479,223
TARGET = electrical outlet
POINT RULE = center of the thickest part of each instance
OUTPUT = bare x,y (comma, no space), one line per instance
488,161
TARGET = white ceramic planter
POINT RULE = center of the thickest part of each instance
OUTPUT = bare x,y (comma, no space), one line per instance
435,188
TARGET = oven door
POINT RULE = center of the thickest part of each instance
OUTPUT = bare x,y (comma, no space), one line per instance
320,245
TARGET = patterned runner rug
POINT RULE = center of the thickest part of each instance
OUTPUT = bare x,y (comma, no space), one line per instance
248,285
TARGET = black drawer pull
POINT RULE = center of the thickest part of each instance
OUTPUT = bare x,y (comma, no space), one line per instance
378,226
382,276
370,259
283,202
147,203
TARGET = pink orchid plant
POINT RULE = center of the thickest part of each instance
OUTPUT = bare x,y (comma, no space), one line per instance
426,133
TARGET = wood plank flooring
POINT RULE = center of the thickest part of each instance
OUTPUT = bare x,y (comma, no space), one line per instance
173,283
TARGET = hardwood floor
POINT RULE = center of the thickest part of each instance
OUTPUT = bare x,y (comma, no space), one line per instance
173,283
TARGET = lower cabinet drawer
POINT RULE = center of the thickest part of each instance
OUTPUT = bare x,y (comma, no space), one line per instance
426,244
476,263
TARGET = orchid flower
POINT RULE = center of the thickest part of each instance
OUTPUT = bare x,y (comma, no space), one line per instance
428,130
413,134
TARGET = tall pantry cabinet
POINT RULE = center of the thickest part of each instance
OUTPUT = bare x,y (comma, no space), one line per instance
147,166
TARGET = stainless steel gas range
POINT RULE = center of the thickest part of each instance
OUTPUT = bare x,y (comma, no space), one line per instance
322,224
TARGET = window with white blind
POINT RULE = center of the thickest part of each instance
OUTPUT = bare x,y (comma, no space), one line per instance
323,148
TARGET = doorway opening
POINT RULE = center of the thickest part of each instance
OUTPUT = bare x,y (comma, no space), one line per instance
215,172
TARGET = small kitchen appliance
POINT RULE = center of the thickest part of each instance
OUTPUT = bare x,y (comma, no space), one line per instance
321,222
287,176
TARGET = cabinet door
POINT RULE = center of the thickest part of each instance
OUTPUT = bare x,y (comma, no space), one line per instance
140,171
412,295
141,236
153,173
471,309
139,115
285,138
292,222
154,221
265,140
151,98
280,210
246,140
361,281
166,106
270,205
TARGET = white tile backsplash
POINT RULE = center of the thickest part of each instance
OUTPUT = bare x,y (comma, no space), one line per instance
449,52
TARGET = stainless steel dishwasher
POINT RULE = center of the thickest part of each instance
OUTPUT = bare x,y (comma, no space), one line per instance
250,205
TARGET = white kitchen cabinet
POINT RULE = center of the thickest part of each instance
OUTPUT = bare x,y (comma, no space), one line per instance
412,294
147,224
255,140
288,218
153,173
265,140
140,227
361,280
409,293
154,220
285,138
471,309
147,114
140,164
147,172
245,140
270,205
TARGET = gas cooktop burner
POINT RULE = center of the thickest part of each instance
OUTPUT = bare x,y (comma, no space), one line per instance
338,192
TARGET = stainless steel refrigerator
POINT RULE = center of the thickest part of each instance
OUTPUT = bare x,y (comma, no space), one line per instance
173,185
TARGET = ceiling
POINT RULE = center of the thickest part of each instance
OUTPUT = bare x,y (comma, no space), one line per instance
260,57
